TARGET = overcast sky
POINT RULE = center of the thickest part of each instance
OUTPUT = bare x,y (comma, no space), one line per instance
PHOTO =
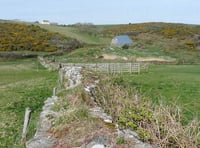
102,11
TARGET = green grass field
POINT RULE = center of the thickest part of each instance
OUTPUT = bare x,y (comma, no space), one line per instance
23,83
169,84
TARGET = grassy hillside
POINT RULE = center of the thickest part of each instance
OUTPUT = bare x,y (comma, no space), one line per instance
20,37
171,41
23,83
177,41
88,34
180,41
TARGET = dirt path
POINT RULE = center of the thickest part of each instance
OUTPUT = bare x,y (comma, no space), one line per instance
113,57
154,59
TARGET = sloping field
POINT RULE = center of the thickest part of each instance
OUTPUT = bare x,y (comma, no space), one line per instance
23,83
87,35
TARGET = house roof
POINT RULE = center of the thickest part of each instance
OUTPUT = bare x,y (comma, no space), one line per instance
121,40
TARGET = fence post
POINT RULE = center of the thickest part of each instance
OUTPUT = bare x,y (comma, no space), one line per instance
61,78
96,67
26,123
130,67
107,67
112,68
119,67
54,91
138,64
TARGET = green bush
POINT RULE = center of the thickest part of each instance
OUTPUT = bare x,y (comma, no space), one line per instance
125,46
121,140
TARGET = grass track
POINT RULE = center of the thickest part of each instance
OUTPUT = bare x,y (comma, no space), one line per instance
77,34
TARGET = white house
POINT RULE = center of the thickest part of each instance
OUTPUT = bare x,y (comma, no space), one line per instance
46,22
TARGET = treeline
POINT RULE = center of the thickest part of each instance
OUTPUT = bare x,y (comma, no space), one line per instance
19,37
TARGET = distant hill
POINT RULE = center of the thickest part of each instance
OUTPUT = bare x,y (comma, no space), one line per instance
187,35
169,40
19,37
177,41
180,41
177,35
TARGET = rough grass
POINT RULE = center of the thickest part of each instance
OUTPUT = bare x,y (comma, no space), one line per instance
24,83
158,124
75,127
168,84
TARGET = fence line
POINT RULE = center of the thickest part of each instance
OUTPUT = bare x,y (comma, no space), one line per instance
112,67
136,67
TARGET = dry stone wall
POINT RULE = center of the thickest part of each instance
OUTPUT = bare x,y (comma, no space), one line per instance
71,77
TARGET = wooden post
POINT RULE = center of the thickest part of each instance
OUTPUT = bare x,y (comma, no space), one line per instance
119,68
26,123
138,68
54,91
61,77
112,69
96,67
37,65
107,65
130,67
60,83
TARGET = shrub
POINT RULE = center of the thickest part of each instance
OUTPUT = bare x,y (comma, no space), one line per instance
125,46
121,140
191,44
15,36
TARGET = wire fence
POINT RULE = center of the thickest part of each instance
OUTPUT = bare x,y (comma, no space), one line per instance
111,67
